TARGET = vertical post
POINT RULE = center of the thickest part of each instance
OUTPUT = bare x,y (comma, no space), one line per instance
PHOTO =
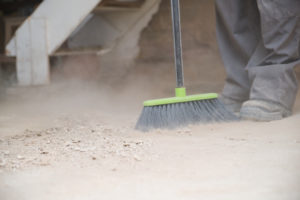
23,51
32,56
39,52
177,42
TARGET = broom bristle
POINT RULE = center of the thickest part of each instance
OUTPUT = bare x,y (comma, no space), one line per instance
182,114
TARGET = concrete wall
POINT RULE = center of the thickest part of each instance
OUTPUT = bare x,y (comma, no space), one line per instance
202,63
198,30
153,47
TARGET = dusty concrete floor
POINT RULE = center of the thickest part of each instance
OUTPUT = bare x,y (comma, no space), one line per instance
75,140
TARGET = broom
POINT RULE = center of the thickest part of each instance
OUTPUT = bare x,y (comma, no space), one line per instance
181,110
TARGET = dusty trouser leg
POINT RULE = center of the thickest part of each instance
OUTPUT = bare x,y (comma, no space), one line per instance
238,33
271,68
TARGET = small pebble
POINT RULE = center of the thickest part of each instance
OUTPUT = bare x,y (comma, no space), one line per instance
137,158
139,143
44,163
68,143
126,145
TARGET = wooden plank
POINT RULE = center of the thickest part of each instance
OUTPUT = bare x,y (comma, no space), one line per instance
73,12
39,55
62,19
66,52
100,9
118,3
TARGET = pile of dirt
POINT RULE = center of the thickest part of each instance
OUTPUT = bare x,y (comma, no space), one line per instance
78,142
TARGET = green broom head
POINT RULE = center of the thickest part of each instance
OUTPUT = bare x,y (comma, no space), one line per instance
183,110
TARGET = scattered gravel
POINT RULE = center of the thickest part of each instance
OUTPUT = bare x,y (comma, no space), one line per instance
79,142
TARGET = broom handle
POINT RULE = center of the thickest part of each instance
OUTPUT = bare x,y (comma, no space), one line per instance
177,42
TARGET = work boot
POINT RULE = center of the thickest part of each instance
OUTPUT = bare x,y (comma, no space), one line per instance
260,110
231,104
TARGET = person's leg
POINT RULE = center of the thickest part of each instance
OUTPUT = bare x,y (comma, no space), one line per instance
238,33
271,69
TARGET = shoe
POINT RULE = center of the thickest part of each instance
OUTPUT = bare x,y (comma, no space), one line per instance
231,104
260,110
